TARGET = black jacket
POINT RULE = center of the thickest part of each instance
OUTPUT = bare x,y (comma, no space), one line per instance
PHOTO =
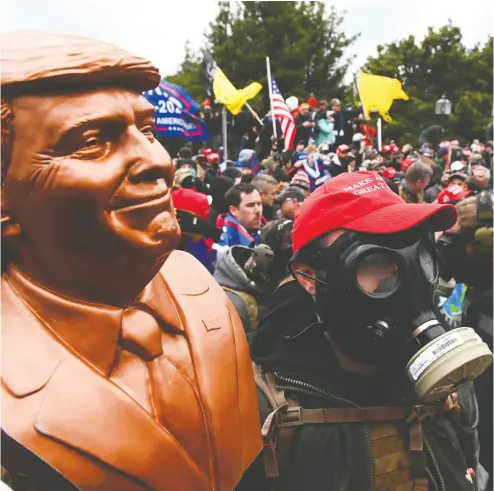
335,457
431,194
392,185
264,143
27,471
303,132
343,121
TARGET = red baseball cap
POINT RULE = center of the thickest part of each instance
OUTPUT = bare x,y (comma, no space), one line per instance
452,194
361,201
405,164
191,201
389,173
213,157
342,148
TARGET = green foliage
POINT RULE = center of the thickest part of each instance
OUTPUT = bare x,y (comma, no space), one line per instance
439,65
304,41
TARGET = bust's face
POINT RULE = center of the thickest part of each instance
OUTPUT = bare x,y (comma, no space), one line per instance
87,177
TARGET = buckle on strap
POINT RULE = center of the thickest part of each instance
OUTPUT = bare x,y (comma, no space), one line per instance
291,416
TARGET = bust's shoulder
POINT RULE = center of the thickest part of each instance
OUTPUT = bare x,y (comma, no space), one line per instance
184,274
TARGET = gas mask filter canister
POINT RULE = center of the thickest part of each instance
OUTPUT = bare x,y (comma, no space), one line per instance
376,295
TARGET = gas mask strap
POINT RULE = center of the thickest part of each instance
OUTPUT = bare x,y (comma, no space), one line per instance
305,275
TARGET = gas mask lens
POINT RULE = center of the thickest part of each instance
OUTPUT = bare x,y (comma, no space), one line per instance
378,274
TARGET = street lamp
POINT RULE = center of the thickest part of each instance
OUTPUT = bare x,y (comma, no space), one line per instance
443,106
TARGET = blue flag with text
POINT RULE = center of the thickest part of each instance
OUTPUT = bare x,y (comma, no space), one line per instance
176,112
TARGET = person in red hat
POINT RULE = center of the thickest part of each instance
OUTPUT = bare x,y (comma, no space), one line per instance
339,161
373,395
198,235
386,151
405,164
452,194
312,101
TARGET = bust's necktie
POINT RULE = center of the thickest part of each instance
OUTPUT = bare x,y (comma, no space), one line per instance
141,334
140,343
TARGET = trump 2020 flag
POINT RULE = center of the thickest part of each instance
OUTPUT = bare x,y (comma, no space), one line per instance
176,112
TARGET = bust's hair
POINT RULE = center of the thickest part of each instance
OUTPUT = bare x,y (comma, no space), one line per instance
43,62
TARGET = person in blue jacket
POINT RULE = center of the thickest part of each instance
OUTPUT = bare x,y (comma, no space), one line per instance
242,224
325,129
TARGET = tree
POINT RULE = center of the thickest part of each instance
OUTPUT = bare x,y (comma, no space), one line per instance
440,64
304,41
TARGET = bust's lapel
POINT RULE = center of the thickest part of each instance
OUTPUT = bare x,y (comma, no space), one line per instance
28,360
208,327
83,409
86,411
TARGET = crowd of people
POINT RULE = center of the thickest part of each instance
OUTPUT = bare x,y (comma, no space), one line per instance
236,199
250,204
125,366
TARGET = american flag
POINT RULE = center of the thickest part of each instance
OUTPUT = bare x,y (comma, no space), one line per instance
282,113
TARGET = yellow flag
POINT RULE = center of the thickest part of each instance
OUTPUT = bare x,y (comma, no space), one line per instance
378,93
227,94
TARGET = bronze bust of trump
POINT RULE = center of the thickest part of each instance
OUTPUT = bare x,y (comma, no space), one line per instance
124,366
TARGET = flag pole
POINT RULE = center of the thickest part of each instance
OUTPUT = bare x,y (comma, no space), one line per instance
224,133
358,92
254,113
268,68
379,133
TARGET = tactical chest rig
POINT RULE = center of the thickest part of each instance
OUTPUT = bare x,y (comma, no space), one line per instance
279,428
83,425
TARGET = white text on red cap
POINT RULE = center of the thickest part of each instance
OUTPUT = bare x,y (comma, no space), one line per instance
377,181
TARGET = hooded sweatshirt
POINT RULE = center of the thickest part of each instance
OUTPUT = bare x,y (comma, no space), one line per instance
230,274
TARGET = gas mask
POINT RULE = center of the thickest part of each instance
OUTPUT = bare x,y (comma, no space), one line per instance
375,294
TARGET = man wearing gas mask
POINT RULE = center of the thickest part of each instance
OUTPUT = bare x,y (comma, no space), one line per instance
465,255
375,395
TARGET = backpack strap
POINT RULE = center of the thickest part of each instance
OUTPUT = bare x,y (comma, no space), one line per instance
276,440
279,427
250,304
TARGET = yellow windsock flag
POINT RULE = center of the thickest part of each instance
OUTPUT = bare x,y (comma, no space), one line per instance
227,94
378,93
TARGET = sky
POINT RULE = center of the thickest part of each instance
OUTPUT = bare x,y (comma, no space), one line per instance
159,29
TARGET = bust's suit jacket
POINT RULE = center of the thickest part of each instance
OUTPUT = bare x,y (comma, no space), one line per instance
60,404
